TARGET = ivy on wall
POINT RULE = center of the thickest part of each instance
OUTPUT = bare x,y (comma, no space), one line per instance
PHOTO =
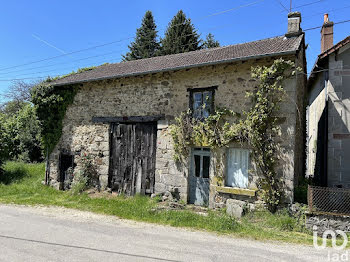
51,103
258,128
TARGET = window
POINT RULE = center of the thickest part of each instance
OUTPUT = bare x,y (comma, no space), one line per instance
202,102
201,162
237,167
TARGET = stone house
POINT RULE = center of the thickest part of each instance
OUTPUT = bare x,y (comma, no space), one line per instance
122,112
328,125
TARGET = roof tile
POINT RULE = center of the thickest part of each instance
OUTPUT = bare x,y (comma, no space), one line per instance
270,46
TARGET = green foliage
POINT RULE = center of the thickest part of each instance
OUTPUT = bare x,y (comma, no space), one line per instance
210,42
21,132
79,184
28,190
86,177
51,103
259,128
281,220
213,131
3,143
146,42
180,36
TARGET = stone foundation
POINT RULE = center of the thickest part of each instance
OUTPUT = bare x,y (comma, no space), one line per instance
326,222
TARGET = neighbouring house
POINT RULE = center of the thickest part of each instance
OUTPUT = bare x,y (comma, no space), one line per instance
328,125
122,112
328,114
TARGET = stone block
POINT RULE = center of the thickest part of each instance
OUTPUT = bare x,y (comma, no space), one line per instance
103,181
235,208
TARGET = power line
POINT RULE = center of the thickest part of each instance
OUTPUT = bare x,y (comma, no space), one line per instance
337,23
329,11
70,53
66,68
118,41
308,29
183,45
308,4
233,9
280,3
77,60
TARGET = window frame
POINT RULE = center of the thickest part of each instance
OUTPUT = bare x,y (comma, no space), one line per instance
201,152
227,166
192,91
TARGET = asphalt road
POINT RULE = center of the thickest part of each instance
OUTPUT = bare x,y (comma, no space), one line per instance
58,234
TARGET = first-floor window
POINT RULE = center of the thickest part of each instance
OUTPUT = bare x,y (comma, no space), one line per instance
237,167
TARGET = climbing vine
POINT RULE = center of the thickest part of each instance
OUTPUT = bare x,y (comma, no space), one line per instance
213,131
258,128
51,103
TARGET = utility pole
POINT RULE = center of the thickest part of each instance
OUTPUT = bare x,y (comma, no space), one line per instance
290,9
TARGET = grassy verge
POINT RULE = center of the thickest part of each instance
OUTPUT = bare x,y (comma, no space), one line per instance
21,184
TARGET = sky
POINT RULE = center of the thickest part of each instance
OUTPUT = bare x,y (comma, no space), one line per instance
48,38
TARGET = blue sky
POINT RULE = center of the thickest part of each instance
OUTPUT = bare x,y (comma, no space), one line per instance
35,30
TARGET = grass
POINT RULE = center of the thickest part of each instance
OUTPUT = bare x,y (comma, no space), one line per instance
21,184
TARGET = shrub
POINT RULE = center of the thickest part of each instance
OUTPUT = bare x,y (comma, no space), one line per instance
80,183
86,177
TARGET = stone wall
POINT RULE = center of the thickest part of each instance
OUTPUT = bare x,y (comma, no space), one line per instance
166,93
326,222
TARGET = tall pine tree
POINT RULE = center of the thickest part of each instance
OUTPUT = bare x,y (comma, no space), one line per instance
210,42
146,42
180,36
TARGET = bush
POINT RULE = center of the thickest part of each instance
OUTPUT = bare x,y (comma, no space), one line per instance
86,177
21,136
79,184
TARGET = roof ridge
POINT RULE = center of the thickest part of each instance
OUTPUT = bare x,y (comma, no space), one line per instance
185,53
277,45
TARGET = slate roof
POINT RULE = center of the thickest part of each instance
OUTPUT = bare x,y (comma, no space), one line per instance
267,47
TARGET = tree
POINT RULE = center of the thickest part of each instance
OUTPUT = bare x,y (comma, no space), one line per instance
210,42
20,91
3,145
180,36
21,134
146,43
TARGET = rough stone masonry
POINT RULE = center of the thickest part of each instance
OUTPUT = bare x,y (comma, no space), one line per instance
166,94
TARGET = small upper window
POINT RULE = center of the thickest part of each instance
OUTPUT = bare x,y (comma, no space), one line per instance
202,102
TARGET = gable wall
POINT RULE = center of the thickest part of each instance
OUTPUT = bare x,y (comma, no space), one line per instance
338,88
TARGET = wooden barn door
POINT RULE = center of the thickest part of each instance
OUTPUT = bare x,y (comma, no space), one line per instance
133,152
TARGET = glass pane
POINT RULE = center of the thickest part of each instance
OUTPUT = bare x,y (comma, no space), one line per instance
206,165
197,165
197,104
207,103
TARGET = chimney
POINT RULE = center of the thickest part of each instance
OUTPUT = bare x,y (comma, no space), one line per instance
326,34
294,21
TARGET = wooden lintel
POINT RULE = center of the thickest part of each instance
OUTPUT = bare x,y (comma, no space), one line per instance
200,89
127,119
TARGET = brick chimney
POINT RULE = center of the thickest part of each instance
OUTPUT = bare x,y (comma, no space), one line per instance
294,21
326,34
